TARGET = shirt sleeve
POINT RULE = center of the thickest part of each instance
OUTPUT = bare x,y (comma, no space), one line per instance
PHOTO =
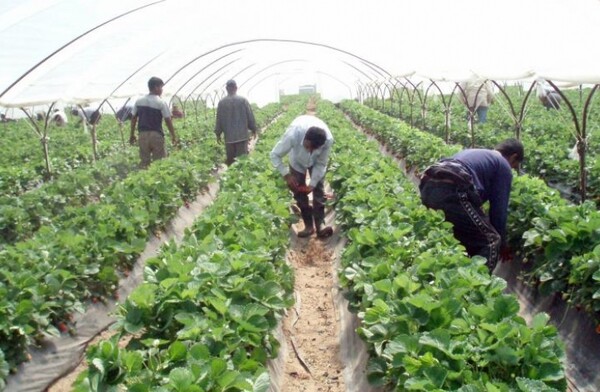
320,165
499,197
281,149
166,113
250,116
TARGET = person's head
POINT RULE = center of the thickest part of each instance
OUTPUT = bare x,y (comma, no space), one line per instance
513,151
155,85
231,86
314,138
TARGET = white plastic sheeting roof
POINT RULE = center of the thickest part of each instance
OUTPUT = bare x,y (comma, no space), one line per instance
77,51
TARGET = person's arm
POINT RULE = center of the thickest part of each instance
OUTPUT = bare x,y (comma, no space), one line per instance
133,124
499,197
320,166
250,117
281,149
219,123
169,123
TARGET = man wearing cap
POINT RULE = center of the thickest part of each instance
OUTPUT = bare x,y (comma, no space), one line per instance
308,142
150,111
234,119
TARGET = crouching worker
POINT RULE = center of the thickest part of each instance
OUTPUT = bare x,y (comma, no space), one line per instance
308,142
461,184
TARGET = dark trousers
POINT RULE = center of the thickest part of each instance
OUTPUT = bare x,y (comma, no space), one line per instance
471,226
234,150
317,211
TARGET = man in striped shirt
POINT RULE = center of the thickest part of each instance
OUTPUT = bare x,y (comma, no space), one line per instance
148,113
234,119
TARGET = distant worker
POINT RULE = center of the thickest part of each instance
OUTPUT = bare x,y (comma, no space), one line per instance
124,114
176,112
549,97
461,184
477,95
148,114
58,117
234,119
87,116
5,119
308,142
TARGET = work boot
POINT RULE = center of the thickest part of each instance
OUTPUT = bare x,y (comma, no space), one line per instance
308,227
324,231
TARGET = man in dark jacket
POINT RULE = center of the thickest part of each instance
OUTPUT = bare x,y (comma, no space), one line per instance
234,119
460,185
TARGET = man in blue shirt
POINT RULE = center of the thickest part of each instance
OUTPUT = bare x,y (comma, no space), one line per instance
308,142
460,185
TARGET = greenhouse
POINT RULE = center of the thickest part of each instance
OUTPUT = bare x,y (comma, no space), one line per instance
274,196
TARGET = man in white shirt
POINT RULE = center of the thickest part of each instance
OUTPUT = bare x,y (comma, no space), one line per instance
308,142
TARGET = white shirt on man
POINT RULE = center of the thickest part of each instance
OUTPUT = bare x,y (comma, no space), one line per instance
300,159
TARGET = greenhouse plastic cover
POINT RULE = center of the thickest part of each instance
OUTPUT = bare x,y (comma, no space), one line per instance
77,51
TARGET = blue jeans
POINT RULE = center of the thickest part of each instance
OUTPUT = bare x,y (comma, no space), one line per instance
481,114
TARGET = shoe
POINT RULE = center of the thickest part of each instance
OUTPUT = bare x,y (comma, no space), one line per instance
306,232
324,231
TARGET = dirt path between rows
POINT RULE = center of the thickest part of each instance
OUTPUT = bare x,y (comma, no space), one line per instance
312,327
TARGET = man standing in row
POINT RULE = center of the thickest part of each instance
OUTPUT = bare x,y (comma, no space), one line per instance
461,184
308,142
149,112
234,119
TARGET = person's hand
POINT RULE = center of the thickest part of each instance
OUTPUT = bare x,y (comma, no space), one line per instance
304,189
219,139
291,182
175,141
506,254
132,140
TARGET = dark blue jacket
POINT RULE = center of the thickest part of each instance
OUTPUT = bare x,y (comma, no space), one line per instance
492,176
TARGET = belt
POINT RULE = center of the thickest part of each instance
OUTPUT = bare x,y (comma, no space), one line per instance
426,178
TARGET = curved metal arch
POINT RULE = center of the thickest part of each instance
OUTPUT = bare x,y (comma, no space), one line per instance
256,40
221,69
517,118
247,80
398,81
446,104
411,98
13,84
390,92
581,134
203,68
359,70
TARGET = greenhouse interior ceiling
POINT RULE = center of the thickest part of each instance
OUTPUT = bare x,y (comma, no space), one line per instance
77,51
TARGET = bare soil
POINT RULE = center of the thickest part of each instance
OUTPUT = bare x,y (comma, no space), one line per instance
311,328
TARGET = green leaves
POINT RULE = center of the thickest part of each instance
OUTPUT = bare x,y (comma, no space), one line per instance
204,316
433,318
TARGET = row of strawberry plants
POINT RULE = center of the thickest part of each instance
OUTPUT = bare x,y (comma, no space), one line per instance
559,240
543,130
204,317
69,148
433,319
48,277
23,215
